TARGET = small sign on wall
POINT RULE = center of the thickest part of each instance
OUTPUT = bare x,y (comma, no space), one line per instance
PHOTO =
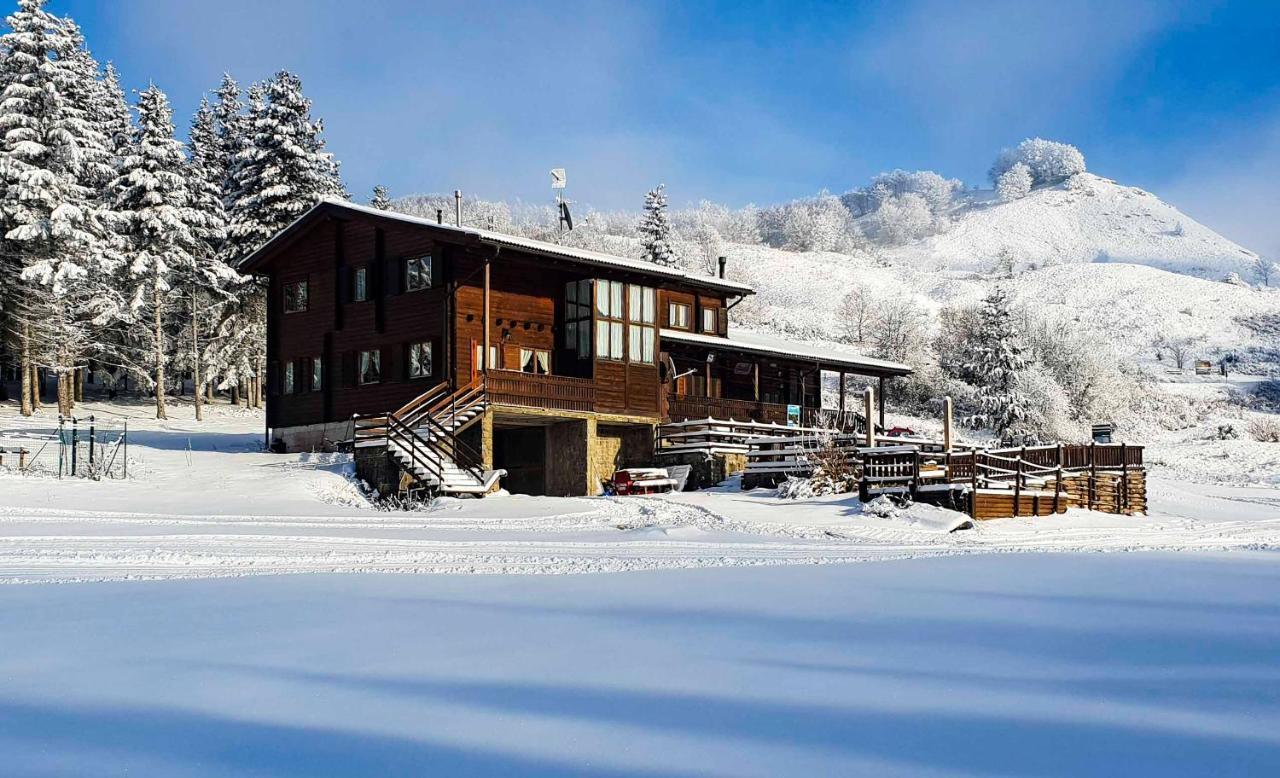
793,415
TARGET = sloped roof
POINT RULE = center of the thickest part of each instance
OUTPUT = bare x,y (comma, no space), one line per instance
551,250
762,343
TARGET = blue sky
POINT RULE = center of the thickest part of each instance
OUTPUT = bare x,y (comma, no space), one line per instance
746,101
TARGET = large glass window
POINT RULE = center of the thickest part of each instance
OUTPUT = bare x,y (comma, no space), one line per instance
295,297
417,273
577,318
419,360
609,319
494,360
370,367
642,322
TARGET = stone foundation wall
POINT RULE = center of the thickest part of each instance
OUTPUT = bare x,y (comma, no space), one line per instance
567,461
615,447
312,437
374,467
707,469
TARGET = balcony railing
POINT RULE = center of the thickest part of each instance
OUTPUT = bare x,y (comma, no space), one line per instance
685,407
554,392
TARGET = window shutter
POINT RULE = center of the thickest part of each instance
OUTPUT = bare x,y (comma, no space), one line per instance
437,357
388,368
273,378
401,283
406,365
349,369
722,322
437,268
345,284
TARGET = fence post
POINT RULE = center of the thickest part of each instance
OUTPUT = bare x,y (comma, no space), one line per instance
973,487
1093,476
1057,489
1017,485
93,441
1124,482
126,450
915,474
75,443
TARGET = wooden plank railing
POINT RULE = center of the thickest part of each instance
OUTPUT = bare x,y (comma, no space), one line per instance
554,392
683,407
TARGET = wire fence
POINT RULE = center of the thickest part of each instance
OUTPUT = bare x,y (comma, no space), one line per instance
73,447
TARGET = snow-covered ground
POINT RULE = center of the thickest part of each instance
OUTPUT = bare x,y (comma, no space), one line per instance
1046,665
204,500
985,651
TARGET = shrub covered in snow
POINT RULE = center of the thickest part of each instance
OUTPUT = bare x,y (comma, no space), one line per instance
902,219
1265,429
1014,183
820,223
1049,162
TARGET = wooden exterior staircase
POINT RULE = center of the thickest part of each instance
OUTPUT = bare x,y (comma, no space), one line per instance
423,438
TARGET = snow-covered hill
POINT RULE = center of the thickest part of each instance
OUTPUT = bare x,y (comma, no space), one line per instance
1089,220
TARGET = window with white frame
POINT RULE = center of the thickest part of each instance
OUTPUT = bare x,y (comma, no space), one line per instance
360,285
641,322
419,360
709,320
493,357
417,273
536,361
678,316
610,322
295,297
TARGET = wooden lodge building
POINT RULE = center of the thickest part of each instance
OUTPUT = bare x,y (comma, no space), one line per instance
455,357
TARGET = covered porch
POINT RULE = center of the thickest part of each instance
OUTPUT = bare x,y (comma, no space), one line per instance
755,377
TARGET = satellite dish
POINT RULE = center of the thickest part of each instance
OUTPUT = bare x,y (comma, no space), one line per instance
668,366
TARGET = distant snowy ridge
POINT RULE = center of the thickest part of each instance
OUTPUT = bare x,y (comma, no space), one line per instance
1089,219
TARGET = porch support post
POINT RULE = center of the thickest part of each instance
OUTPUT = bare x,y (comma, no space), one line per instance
485,305
842,375
868,403
755,380
946,424
882,402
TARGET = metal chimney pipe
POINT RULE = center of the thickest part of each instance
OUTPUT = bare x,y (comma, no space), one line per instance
439,216
457,206
723,261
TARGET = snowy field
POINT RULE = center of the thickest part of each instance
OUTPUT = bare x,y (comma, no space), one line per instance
727,639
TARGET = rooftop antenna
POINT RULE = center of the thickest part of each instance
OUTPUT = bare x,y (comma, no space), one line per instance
562,205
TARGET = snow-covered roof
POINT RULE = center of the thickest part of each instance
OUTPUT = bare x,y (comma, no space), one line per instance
582,256
762,343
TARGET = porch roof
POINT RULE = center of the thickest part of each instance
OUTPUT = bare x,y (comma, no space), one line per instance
828,357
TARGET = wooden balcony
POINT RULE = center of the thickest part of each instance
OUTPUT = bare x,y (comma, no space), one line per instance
554,392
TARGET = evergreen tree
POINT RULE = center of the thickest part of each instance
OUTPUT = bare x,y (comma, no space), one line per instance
54,243
155,208
212,287
279,172
655,229
997,364
380,199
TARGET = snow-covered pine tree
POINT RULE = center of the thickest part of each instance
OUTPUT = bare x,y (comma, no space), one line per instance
154,208
380,199
655,229
53,240
1014,183
212,285
996,362
280,172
